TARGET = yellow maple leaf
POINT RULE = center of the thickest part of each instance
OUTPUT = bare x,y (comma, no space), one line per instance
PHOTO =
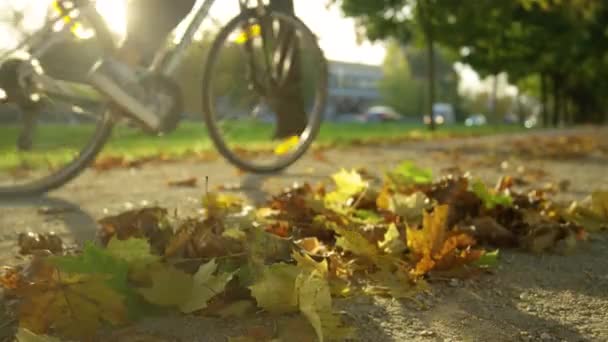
74,305
352,241
348,184
434,247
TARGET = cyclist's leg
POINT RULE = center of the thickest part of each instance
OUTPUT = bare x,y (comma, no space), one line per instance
289,104
149,24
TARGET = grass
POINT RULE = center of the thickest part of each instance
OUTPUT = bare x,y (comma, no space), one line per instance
191,137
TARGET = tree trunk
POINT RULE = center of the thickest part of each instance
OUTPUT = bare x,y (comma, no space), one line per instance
543,100
288,102
556,101
494,98
423,10
430,44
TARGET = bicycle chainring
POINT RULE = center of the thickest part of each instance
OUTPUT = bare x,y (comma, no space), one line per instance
170,113
17,85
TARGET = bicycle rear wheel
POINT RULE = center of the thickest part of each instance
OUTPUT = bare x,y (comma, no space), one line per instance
57,147
264,91
46,139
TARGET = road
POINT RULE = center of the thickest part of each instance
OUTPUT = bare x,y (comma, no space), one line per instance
530,298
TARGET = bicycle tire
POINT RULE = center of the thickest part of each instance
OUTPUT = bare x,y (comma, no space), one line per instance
315,119
88,153
70,170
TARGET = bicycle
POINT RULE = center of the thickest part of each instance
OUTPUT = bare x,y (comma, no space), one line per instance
275,47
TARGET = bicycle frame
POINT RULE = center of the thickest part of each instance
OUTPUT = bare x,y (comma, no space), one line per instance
165,62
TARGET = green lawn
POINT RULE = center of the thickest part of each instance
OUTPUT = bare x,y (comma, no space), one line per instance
52,141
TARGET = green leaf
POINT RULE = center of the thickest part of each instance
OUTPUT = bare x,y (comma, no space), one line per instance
367,216
275,291
99,261
407,173
95,260
490,199
487,260
133,251
170,286
205,286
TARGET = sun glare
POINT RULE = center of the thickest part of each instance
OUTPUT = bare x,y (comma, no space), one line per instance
114,13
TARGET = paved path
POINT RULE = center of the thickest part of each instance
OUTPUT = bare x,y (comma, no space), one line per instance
550,298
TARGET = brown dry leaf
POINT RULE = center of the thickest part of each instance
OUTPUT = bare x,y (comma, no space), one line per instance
279,228
10,278
454,192
486,230
204,239
184,183
551,236
108,163
31,242
319,156
151,223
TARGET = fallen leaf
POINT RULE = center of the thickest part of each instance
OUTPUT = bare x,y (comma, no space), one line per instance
410,207
30,243
133,251
24,335
308,264
314,299
275,291
150,223
393,242
489,198
407,173
348,184
74,305
354,242
170,287
485,229
487,259
434,247
184,183
205,286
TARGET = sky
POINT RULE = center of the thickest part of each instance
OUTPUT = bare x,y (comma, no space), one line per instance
337,34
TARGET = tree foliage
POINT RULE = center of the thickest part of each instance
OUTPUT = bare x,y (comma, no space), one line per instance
560,43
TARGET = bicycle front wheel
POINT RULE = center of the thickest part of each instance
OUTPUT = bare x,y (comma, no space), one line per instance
264,91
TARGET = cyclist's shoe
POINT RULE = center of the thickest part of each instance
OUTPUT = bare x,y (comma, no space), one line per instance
123,86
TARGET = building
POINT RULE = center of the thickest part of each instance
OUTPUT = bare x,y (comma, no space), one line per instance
352,88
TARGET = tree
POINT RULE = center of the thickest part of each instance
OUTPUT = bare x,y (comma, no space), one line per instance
563,42
397,87
400,20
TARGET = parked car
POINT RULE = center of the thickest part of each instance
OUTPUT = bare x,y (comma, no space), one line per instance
380,114
443,113
476,120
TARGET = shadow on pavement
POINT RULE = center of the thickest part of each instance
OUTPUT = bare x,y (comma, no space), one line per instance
79,223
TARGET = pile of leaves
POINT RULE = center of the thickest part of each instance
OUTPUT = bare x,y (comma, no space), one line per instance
309,244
